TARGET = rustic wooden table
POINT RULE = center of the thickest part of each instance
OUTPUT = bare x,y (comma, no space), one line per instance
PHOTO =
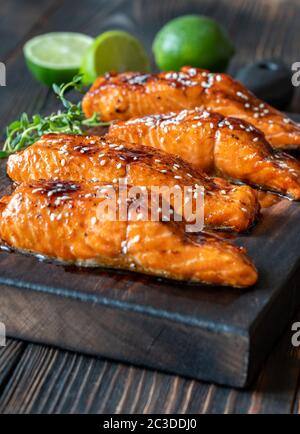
39,379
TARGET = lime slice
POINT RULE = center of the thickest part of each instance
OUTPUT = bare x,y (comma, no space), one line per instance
114,50
56,57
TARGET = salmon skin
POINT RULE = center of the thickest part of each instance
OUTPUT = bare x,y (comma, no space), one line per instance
126,95
104,159
60,220
226,146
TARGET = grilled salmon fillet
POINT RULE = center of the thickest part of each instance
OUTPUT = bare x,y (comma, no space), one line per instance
226,146
126,95
104,159
61,220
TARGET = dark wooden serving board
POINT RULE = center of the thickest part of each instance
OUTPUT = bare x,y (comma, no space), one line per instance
213,333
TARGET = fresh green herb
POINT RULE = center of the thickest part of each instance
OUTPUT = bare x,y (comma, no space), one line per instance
25,131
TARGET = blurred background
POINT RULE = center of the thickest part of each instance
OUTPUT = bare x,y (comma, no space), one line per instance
259,29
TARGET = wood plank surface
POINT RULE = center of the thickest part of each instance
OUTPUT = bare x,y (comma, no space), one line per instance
9,358
260,28
157,323
18,20
47,380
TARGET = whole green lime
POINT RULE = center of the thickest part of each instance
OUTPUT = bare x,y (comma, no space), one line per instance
192,40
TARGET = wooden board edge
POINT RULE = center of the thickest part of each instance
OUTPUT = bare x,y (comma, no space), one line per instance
137,338
271,324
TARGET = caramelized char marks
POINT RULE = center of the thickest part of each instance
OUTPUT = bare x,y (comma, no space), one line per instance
127,95
226,206
228,146
61,221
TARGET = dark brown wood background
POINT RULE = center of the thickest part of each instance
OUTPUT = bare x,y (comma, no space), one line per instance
36,378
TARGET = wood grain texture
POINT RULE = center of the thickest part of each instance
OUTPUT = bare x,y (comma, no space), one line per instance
9,358
18,20
53,381
183,327
260,28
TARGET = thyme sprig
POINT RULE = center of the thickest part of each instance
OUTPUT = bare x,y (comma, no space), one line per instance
25,131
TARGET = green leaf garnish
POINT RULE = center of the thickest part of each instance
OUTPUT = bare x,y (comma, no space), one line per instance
24,132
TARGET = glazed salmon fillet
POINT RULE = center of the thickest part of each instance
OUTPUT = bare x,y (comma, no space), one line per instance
61,220
225,146
103,159
127,95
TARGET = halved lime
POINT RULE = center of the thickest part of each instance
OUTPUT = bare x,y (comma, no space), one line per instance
56,57
114,50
